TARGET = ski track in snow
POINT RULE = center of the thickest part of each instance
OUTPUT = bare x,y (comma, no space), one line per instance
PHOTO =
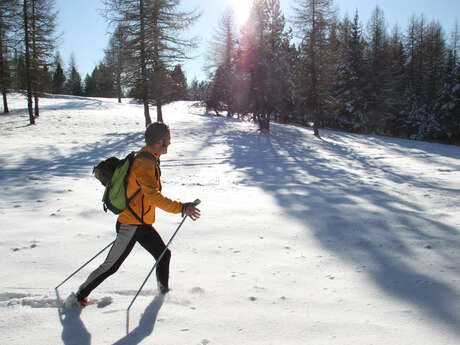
343,239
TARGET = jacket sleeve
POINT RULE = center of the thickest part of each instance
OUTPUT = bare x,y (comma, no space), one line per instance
150,188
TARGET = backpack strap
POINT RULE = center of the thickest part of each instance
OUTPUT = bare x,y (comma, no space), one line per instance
148,155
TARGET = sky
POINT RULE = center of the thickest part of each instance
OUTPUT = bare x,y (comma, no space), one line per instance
85,33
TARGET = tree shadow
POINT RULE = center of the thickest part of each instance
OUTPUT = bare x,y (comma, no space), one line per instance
324,183
146,324
78,164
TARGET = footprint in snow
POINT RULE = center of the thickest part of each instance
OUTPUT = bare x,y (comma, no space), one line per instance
197,290
32,246
104,302
6,296
11,299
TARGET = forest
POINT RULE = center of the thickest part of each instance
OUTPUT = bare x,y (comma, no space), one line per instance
316,69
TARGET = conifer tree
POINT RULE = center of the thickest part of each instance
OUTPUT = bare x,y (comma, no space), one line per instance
39,24
73,84
9,10
166,28
254,63
58,78
313,19
220,62
447,109
155,42
43,26
178,84
27,58
279,69
116,59
90,85
397,104
379,74
351,80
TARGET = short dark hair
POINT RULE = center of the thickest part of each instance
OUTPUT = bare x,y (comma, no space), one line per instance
154,132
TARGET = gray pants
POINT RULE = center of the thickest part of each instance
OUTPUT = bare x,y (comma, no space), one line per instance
127,236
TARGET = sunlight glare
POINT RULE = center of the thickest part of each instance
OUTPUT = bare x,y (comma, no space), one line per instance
241,8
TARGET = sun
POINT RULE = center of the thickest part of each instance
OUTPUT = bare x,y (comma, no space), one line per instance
241,9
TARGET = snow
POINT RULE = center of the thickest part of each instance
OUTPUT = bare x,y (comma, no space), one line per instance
346,239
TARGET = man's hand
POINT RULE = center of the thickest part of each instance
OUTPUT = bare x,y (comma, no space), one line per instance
190,210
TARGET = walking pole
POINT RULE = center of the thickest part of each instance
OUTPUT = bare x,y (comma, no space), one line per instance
81,267
196,202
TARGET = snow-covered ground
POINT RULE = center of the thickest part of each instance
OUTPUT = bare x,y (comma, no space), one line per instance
347,239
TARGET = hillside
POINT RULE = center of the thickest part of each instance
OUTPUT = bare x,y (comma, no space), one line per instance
347,239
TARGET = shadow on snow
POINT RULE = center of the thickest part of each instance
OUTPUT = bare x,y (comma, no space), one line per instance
325,189
74,330
32,171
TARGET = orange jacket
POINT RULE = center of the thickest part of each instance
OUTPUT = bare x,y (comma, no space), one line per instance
145,174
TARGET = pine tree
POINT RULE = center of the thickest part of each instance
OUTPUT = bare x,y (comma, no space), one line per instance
90,85
447,107
277,48
154,41
116,59
18,70
379,74
166,27
27,57
42,34
39,23
447,110
133,15
8,21
220,90
198,91
435,51
58,78
351,80
220,62
221,49
313,19
254,65
397,103
427,58
178,84
73,84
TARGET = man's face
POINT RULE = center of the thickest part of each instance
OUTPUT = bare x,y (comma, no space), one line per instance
163,144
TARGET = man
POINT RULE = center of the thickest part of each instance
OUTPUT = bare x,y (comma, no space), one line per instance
135,223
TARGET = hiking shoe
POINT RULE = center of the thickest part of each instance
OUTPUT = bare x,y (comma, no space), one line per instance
83,303
73,302
162,289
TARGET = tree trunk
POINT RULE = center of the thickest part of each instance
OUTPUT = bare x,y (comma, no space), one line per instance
157,67
148,119
27,67
5,103
159,112
145,91
34,75
4,77
37,111
119,86
315,127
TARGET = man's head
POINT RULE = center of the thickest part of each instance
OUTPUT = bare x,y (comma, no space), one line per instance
158,137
